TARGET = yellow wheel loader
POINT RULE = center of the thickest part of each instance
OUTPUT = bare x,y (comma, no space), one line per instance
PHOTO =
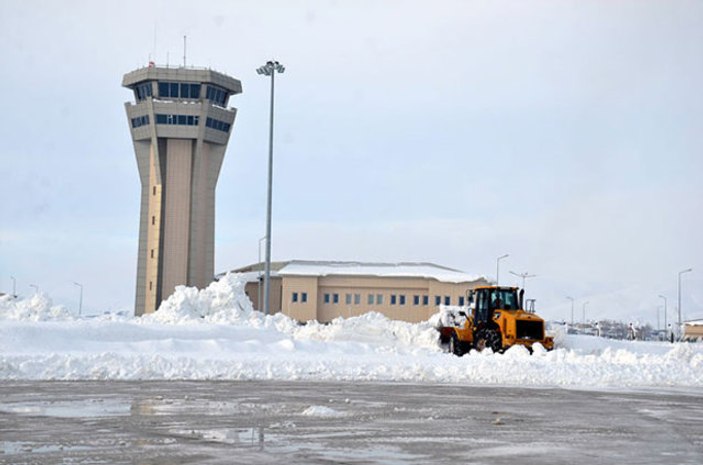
497,319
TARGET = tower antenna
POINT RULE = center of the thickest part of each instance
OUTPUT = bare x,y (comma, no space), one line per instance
153,50
184,51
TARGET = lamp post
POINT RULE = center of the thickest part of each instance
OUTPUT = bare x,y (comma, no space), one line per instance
680,273
14,287
584,311
258,302
523,276
36,288
572,309
80,299
663,297
498,267
269,69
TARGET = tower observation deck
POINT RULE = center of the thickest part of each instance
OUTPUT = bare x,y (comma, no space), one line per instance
180,125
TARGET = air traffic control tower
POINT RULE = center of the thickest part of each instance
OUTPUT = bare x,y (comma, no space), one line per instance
180,125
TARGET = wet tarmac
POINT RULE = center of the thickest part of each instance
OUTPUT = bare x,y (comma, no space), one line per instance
209,422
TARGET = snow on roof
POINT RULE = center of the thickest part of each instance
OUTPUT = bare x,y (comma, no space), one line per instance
388,270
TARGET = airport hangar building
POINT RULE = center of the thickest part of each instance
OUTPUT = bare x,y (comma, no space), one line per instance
325,290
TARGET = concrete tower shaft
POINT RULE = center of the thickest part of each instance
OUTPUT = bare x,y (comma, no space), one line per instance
180,125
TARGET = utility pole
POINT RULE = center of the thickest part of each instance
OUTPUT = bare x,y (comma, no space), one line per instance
572,309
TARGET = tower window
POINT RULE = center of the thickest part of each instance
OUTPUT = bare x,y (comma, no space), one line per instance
179,90
150,283
140,121
217,124
152,253
153,218
216,94
183,120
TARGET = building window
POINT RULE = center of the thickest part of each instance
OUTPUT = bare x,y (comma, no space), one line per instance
347,299
425,300
402,299
357,299
217,124
152,253
188,90
217,95
295,297
379,299
335,298
140,121
181,120
153,220
150,283
327,298
370,299
304,297
154,190
142,91
416,300
447,300
437,300
393,299
461,301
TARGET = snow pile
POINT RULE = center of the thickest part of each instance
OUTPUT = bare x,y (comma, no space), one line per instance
223,301
216,334
39,307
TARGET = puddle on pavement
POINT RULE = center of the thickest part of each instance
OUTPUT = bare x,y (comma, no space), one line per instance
16,447
69,409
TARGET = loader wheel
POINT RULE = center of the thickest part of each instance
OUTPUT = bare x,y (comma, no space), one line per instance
455,345
488,338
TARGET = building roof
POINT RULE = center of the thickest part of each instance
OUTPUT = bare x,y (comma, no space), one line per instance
388,270
179,74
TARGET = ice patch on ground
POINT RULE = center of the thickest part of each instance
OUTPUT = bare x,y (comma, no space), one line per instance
321,411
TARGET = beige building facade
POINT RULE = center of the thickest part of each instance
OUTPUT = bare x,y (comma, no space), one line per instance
180,124
323,291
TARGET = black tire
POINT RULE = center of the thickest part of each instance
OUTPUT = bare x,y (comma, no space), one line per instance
488,338
455,345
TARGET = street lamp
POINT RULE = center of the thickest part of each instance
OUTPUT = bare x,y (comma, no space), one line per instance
14,287
269,69
663,297
572,309
36,288
584,311
680,273
523,276
258,302
498,267
80,300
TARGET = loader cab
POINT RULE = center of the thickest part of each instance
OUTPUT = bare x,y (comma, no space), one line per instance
485,301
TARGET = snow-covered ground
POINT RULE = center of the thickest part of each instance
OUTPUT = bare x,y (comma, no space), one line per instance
215,334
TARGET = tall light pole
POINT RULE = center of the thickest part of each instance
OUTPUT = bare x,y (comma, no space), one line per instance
498,267
269,69
14,287
36,288
663,297
572,309
584,311
80,299
680,273
258,303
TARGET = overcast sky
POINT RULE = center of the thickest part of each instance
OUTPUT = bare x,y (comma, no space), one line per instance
565,133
